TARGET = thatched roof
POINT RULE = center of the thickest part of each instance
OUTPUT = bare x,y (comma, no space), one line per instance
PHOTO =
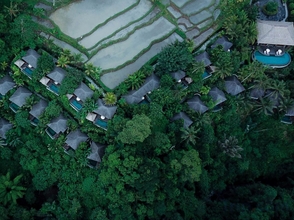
183,116
74,138
223,41
57,74
58,124
203,57
4,127
20,96
6,84
97,152
233,85
31,57
178,75
275,32
107,111
256,93
38,108
83,92
197,105
150,84
217,95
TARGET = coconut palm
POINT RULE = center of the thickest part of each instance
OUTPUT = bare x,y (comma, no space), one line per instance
110,98
12,9
230,146
285,104
135,80
278,88
66,53
92,70
189,135
10,191
77,59
63,61
264,105
4,65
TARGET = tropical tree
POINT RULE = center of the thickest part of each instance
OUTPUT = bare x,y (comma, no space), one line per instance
278,88
77,59
230,146
12,9
4,65
63,61
92,71
110,98
10,191
135,80
189,135
264,105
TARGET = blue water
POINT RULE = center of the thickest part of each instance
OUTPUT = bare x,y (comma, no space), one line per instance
101,123
205,75
54,88
14,107
50,132
76,105
35,121
273,60
28,71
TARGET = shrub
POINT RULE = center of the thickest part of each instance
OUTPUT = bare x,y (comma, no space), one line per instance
270,8
291,6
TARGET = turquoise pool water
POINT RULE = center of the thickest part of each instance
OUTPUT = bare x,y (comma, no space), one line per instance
50,132
54,88
205,75
14,107
273,60
101,123
28,71
144,102
76,105
35,121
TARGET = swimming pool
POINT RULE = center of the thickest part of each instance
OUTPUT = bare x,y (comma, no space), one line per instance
51,133
54,88
14,107
28,72
205,75
274,61
78,106
101,123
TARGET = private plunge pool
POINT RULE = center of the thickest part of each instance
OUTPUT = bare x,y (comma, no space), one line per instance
76,105
273,61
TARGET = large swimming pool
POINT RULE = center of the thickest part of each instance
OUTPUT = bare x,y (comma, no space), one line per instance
274,61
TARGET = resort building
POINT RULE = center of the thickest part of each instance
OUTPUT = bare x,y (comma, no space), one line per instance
183,116
73,140
4,127
18,99
79,96
233,85
256,93
56,127
197,105
6,84
36,111
141,95
209,69
102,114
28,63
54,79
273,39
180,77
218,97
96,154
223,42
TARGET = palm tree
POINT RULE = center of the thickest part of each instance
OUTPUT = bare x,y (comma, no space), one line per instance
265,106
230,146
77,59
189,135
92,70
62,61
89,105
278,88
285,104
135,80
12,9
110,99
10,191
4,65
66,53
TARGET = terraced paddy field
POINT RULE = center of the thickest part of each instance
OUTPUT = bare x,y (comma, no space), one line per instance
121,36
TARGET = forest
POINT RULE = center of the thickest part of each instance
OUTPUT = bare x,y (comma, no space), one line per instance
236,163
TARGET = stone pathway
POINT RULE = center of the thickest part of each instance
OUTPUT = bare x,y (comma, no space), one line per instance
280,16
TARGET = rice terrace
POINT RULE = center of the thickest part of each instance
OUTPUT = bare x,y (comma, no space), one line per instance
121,36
